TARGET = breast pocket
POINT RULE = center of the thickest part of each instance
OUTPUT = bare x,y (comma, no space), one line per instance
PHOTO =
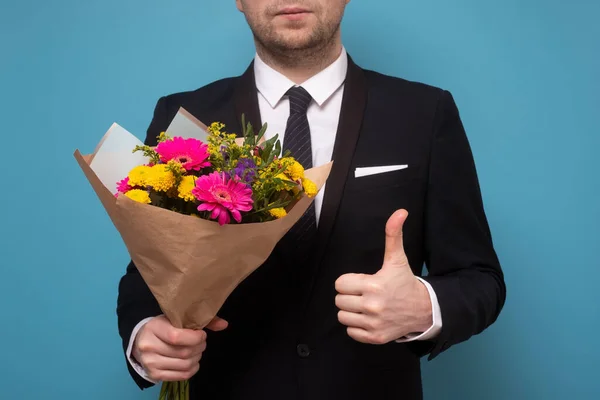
385,180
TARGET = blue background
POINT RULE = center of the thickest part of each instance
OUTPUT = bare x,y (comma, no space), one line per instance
524,74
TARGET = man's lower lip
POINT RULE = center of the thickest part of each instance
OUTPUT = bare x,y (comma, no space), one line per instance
295,16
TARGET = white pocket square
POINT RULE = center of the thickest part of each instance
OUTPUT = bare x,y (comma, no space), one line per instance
366,171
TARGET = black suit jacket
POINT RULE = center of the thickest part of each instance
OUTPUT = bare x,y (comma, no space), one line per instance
284,340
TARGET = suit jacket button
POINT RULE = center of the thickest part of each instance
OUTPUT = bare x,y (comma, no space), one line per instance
303,350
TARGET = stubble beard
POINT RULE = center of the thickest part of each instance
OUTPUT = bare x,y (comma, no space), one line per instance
313,51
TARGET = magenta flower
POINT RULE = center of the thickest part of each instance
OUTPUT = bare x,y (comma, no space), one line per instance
223,197
192,154
123,186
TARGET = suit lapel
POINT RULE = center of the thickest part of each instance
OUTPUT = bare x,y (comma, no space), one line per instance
351,116
246,100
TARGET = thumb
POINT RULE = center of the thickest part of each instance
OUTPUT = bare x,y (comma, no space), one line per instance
394,244
217,324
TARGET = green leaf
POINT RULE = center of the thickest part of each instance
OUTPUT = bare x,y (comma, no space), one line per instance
243,124
277,148
261,133
250,131
268,149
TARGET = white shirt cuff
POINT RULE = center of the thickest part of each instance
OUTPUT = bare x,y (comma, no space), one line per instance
436,327
137,367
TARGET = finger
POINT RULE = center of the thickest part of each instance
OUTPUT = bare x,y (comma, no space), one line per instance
354,320
349,303
159,347
217,324
181,337
173,376
351,284
156,362
364,336
394,244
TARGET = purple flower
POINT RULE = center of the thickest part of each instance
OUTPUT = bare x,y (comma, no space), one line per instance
245,170
224,153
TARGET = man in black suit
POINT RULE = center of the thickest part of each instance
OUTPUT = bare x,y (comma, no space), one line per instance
340,309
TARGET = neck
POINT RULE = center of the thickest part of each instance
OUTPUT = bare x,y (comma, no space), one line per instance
301,65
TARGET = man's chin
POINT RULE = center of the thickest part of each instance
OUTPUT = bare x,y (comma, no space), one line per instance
295,43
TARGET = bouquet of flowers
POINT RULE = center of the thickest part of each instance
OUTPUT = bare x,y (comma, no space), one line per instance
220,180
200,211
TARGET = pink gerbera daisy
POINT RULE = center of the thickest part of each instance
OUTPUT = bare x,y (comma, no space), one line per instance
223,197
191,153
123,186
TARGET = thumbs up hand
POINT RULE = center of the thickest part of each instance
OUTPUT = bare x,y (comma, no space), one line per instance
384,307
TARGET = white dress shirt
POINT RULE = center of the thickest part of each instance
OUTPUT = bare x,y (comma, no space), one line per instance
327,89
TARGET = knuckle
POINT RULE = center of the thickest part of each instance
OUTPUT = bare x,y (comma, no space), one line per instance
376,325
374,306
144,345
371,325
203,346
186,353
187,365
184,376
150,365
144,361
155,375
191,371
173,336
378,338
374,286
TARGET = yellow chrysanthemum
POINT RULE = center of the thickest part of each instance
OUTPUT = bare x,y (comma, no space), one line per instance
185,188
160,178
278,212
294,169
139,176
141,196
282,185
309,187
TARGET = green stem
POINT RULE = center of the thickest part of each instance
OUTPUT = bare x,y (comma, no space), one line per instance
163,391
175,391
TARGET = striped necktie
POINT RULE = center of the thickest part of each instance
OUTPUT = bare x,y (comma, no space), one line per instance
297,141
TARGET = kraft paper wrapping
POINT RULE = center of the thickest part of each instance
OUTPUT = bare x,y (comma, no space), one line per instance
192,265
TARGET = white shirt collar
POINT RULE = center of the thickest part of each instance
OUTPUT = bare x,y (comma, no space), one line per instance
273,85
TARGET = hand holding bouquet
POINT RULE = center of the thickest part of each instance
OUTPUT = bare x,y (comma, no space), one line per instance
199,216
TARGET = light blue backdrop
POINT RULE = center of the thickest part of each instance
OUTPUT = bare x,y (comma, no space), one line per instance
525,76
